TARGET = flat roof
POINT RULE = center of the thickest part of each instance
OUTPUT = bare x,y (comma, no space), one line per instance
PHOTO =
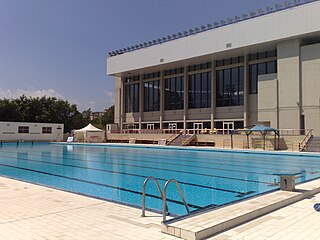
214,42
210,26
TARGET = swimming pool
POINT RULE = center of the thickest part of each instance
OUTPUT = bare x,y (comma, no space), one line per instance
208,178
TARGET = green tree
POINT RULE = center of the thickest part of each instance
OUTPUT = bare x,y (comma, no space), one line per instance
106,118
44,109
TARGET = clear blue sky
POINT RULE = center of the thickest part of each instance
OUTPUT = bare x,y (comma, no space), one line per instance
59,47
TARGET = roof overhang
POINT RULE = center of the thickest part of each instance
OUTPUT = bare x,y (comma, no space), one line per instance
260,33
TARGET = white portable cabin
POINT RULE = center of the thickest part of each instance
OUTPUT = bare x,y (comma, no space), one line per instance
27,131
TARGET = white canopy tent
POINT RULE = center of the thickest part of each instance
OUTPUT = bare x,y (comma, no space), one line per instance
89,134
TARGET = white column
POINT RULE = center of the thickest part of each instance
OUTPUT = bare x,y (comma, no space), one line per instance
213,93
122,103
141,100
162,97
246,109
185,98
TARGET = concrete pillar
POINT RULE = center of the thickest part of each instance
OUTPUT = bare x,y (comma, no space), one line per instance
185,98
246,109
141,100
290,101
162,98
117,100
122,103
213,93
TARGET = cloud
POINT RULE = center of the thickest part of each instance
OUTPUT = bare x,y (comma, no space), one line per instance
110,97
12,94
82,103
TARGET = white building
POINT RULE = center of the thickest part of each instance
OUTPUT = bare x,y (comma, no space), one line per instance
259,67
14,131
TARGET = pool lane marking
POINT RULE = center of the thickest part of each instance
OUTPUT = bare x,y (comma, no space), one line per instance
216,161
132,174
99,184
153,168
185,165
181,150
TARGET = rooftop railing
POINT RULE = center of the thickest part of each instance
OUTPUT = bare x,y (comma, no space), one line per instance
217,24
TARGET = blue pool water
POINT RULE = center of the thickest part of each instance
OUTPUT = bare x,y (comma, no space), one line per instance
208,178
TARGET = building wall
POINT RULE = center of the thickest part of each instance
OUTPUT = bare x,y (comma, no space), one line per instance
289,84
253,109
268,100
310,65
9,132
232,112
173,115
199,114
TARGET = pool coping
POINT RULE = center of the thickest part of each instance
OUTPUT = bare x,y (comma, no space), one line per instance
197,148
209,223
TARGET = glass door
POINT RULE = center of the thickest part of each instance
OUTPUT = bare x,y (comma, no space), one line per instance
197,127
228,127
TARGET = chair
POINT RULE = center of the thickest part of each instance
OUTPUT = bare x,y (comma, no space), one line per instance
162,142
69,139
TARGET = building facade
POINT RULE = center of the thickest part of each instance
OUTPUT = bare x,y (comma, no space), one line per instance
262,67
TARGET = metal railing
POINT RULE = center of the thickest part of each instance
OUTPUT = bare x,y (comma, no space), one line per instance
162,194
173,137
165,197
303,145
188,140
144,194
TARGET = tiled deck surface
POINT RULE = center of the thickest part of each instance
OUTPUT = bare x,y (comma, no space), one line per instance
203,225
29,211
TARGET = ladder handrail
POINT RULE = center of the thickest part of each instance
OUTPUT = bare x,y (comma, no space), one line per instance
304,144
144,193
165,197
188,140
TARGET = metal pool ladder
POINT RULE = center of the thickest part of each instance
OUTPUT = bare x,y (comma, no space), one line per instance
163,195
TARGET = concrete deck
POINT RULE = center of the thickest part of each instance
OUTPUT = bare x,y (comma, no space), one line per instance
30,211
209,223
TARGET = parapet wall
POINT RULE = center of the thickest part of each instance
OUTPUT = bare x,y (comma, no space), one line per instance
290,143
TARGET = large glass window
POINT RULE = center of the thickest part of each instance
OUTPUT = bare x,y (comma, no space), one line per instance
230,87
174,93
229,61
152,96
259,69
200,90
262,55
132,98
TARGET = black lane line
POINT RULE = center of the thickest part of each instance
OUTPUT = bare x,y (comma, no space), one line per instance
215,160
217,163
130,174
175,171
148,161
99,184
176,164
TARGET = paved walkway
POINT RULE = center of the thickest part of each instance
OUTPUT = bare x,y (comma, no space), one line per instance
29,211
295,222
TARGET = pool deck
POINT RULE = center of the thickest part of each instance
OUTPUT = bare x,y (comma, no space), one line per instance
30,211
